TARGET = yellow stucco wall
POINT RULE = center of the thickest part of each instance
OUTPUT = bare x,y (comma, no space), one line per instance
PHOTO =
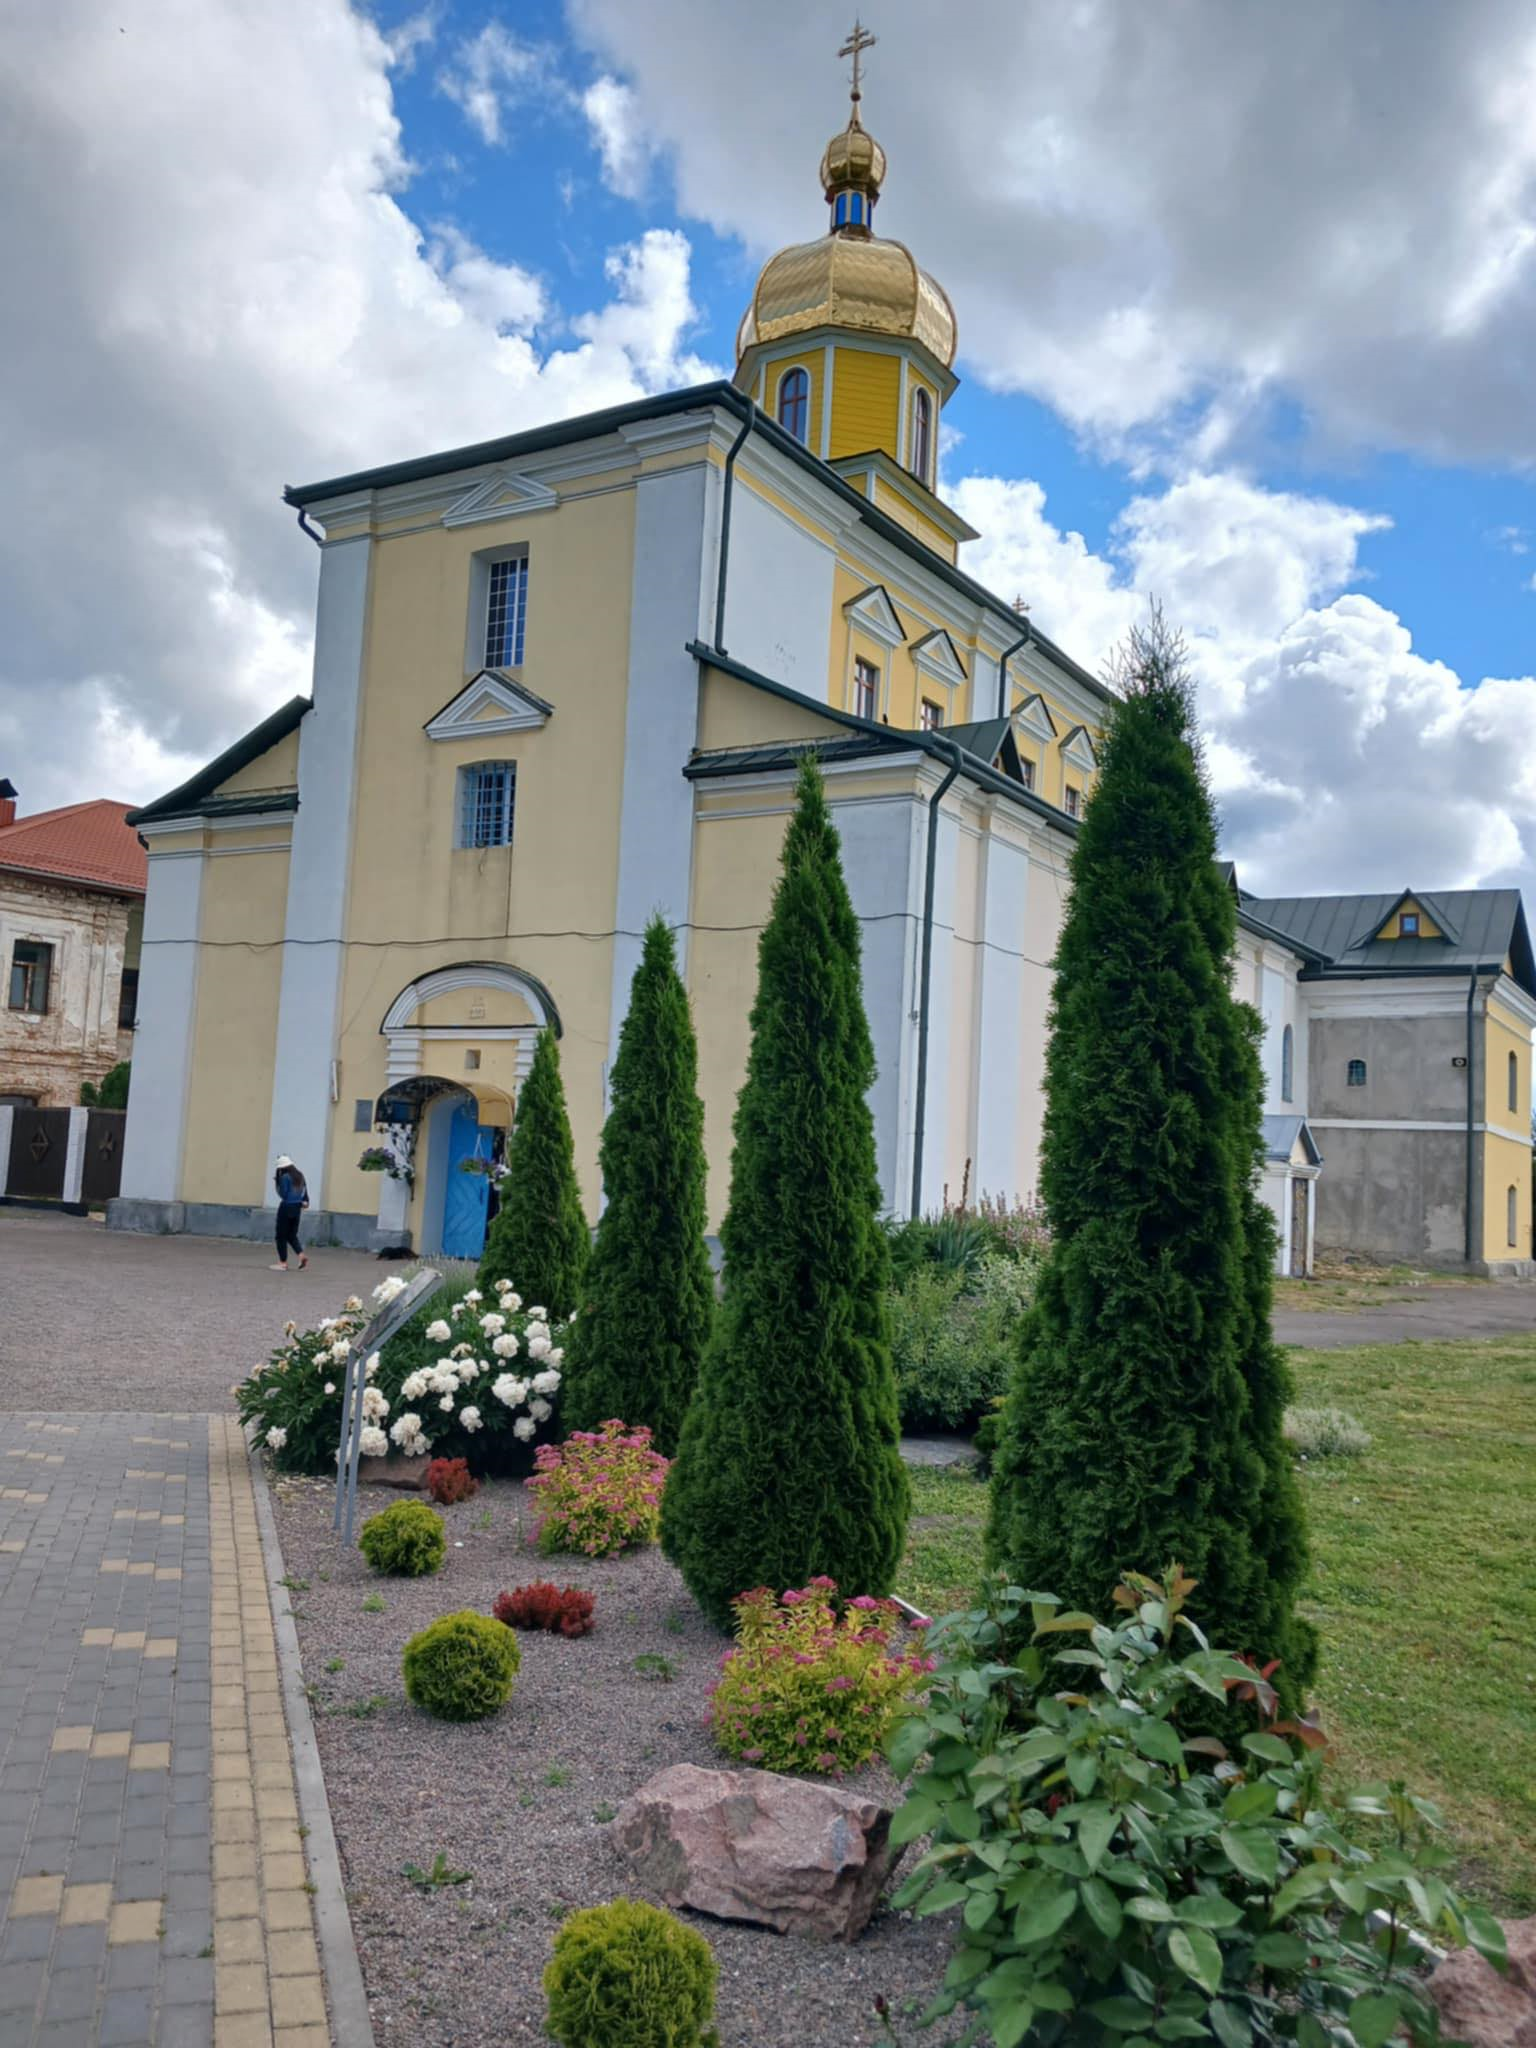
1428,929
1506,1165
866,399
1507,1036
276,769
239,979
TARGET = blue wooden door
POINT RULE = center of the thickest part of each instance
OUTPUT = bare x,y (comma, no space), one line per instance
465,1198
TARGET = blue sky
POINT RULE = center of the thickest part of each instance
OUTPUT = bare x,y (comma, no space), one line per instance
1245,299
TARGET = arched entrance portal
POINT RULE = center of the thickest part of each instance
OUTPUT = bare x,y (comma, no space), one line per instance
460,1042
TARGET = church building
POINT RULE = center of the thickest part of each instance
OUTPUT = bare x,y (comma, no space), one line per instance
562,680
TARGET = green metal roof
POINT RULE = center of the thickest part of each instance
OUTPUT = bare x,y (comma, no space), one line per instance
1483,927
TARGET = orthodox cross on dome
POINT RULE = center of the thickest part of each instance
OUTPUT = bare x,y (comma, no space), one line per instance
860,41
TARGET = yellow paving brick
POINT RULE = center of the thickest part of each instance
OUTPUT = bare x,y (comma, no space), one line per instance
229,1764
275,1802
235,1829
293,1954
239,1987
234,1859
97,1639
279,1872
235,1898
167,1571
71,1738
15,1544
301,2037
298,2001
128,1639
135,1920
114,1564
150,1756
281,1838
85,1905
228,1735
36,1895
160,1646
143,1570
117,1743
286,1909
242,2030
238,1941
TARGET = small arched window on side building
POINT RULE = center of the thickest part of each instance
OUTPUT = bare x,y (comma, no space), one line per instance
794,403
1514,1082
922,434
1512,1214
1356,1074
1287,1063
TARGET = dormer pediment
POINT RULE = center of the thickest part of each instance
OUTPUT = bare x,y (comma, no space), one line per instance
492,702
936,655
873,613
1077,747
1426,919
1034,717
499,497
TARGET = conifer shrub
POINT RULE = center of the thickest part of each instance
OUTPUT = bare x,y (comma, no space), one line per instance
628,1975
789,1464
539,1234
461,1666
406,1540
599,1492
1144,1417
562,1610
449,1480
649,1298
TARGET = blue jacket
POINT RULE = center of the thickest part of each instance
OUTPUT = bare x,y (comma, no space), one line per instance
289,1190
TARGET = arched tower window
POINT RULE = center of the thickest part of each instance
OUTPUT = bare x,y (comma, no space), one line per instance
1287,1062
1512,1215
1514,1082
794,402
922,434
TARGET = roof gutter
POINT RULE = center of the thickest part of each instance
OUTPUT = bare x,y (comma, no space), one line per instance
925,978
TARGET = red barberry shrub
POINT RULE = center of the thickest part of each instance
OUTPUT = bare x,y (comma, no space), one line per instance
563,1611
449,1480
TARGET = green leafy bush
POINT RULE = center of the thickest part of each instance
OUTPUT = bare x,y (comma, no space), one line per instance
1325,1433
599,1491
813,1681
628,1975
954,1338
112,1093
461,1666
406,1540
1123,1881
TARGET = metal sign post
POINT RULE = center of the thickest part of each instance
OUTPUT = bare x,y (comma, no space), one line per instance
374,1338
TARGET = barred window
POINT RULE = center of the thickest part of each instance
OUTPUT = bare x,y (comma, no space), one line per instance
486,795
1355,1078
505,611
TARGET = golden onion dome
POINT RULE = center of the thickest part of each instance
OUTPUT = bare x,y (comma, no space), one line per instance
852,161
856,281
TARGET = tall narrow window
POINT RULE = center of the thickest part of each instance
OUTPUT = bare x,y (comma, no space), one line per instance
794,403
866,688
1074,801
505,612
1512,1215
1027,771
128,1000
1287,1060
31,972
1514,1082
1355,1077
486,793
922,433
931,716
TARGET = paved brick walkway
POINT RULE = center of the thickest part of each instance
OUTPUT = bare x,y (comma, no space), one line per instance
153,1888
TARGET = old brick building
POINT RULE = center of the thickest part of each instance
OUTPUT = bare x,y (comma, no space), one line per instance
71,913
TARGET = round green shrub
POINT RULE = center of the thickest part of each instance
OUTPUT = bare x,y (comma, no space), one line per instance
461,1666
406,1540
628,1975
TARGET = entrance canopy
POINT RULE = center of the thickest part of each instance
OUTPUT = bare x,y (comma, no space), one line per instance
405,1102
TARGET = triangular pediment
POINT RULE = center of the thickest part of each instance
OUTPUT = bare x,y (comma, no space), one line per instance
492,702
500,497
1034,717
1433,922
873,613
1078,748
936,655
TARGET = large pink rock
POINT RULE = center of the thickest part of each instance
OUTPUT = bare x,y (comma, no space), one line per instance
784,1853
1481,2007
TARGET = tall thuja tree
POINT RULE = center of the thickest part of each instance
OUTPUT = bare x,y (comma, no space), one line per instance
539,1238
1143,1425
790,1462
649,1297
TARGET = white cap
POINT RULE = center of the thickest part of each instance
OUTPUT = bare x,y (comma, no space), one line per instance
283,1161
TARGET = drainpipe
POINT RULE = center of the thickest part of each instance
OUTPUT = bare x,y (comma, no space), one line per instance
725,524
1471,1113
313,531
925,979
1002,670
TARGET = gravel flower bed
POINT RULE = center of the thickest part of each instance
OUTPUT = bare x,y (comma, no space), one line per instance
521,1801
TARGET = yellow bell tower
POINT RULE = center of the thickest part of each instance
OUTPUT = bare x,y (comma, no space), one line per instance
848,344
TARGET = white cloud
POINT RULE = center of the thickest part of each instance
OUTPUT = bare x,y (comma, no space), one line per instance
212,290
492,74
1341,757
614,119
417,32
1160,215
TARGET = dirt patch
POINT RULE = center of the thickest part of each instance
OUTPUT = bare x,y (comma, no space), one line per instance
521,1801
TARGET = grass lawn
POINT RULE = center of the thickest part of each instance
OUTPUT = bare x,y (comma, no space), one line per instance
1423,1583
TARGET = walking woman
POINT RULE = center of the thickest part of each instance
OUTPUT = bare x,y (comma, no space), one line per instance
292,1200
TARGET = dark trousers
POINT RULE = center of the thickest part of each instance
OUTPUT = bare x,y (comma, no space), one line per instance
287,1232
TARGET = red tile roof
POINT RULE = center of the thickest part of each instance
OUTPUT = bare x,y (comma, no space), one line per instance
81,843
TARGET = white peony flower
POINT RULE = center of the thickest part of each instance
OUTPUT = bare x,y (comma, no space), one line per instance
386,1290
446,1404
414,1385
493,1324
503,1286
461,1351
373,1443
539,1315
442,1379
505,1347
276,1438
511,1302
371,1368
539,1347
470,1417
540,1410
523,1428
471,1369
556,1356
355,1304
406,1426
473,1296
342,1350
546,1382
510,1392
438,1332
375,1407
330,1386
